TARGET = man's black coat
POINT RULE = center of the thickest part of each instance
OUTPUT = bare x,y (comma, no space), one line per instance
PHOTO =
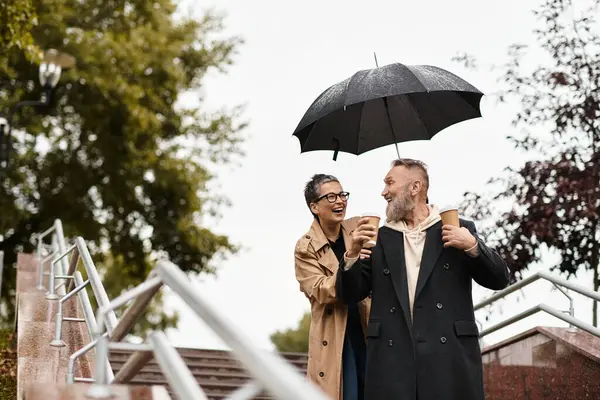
437,356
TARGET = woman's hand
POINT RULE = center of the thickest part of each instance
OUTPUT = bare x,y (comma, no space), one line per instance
362,234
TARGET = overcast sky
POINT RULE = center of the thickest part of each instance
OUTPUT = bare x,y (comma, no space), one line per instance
292,52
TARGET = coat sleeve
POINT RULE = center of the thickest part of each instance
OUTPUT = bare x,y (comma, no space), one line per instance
314,282
354,284
487,269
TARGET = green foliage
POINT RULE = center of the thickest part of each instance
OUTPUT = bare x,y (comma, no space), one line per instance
17,18
554,197
8,387
115,156
7,338
8,365
293,340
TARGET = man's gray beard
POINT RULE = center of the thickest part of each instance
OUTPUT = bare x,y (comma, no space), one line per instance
399,208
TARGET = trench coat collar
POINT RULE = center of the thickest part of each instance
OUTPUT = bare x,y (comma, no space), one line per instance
318,238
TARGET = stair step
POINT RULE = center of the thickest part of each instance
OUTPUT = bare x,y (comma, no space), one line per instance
201,371
216,371
213,390
202,363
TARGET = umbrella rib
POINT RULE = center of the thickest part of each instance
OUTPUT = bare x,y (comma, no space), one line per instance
362,106
418,114
352,78
312,128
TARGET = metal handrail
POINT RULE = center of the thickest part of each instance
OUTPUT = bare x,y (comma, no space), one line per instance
58,245
59,265
559,283
249,391
547,309
177,373
263,366
80,251
530,279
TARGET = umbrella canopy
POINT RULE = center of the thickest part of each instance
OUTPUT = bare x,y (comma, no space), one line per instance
390,104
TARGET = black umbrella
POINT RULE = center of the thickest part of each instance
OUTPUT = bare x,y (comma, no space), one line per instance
390,104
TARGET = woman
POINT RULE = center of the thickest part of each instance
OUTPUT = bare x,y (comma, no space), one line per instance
336,349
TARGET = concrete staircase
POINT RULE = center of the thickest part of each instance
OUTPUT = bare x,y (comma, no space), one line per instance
216,371
42,369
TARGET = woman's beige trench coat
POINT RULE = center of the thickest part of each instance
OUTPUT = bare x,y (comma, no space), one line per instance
316,266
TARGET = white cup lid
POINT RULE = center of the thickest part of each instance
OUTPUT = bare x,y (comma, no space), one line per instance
448,208
371,214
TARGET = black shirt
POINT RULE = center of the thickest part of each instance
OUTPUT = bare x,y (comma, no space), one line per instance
353,327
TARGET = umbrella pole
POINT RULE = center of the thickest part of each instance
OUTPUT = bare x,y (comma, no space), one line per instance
387,112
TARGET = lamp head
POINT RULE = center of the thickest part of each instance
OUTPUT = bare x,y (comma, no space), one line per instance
52,66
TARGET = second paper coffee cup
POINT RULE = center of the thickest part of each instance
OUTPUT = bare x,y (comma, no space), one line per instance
449,216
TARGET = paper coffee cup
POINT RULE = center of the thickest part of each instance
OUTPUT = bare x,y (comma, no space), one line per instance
449,216
374,219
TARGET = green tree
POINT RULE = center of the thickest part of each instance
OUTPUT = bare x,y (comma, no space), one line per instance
293,340
115,156
17,18
554,198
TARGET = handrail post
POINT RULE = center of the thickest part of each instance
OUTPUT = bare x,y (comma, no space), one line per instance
62,247
51,295
72,267
76,355
100,389
571,307
40,283
58,342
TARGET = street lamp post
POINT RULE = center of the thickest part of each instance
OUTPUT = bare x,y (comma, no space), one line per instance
50,69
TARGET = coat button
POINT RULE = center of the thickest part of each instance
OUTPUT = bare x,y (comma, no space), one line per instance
324,342
391,343
386,271
392,310
443,339
321,374
329,310
307,236
446,266
439,306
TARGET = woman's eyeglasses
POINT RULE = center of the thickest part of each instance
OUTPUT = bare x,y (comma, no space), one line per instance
332,197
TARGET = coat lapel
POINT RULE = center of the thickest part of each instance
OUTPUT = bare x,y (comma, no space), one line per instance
393,247
325,256
431,252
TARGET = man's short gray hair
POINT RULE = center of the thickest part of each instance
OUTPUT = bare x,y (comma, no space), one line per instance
312,190
409,163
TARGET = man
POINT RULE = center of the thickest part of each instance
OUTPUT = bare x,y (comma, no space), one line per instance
422,339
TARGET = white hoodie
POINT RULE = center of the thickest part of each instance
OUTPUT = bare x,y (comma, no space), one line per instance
414,242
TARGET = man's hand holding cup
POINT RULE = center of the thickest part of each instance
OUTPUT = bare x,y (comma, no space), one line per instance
453,234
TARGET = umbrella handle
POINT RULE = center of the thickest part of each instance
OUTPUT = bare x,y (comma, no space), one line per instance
337,148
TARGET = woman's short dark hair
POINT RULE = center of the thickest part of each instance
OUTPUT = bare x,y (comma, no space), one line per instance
312,190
